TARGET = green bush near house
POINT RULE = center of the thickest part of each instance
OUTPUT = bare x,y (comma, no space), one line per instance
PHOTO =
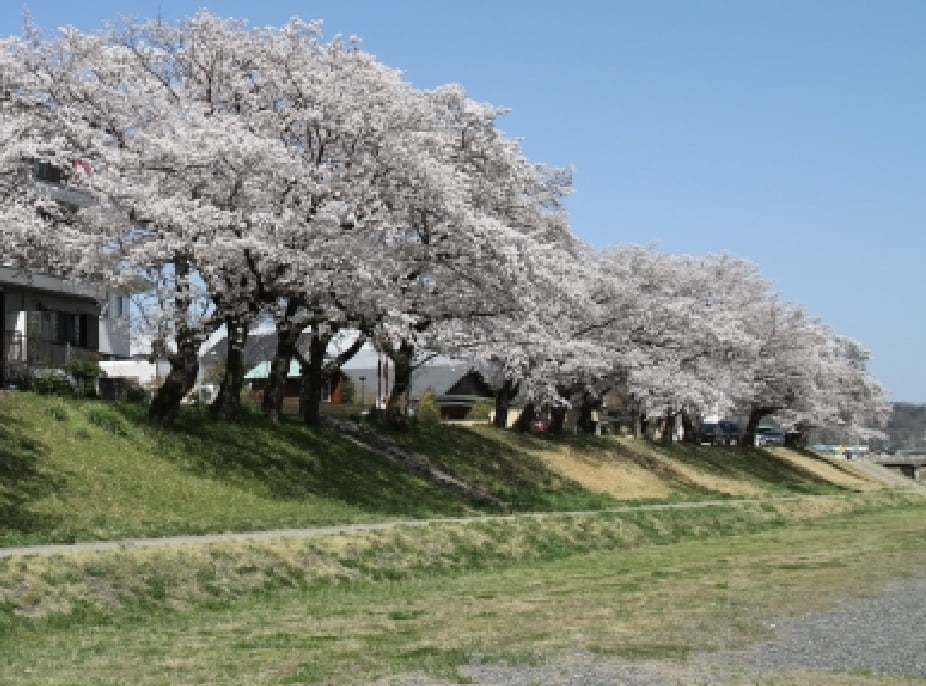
85,373
348,390
428,412
481,410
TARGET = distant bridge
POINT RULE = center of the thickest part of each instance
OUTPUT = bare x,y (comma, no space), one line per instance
911,466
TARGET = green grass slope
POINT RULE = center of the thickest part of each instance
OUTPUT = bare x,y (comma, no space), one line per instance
81,470
78,470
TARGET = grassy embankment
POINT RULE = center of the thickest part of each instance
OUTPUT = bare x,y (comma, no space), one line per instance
85,470
350,608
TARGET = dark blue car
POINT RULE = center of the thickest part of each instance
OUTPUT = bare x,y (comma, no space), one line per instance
719,433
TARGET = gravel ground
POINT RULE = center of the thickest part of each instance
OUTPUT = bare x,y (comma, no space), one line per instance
883,635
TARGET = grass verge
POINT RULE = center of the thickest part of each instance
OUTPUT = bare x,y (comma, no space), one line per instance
353,608
85,470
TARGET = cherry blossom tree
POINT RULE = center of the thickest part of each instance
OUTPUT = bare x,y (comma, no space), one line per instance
809,377
238,174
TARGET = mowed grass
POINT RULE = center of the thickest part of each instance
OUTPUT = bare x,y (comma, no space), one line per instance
537,472
352,609
83,470
79,470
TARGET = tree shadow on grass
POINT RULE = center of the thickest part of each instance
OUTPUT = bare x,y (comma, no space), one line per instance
290,461
750,464
21,480
503,464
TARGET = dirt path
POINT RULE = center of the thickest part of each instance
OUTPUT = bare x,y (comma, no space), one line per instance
338,529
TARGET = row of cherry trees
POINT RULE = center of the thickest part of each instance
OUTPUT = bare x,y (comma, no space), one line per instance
236,175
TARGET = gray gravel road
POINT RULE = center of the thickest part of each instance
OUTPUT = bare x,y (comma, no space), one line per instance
882,635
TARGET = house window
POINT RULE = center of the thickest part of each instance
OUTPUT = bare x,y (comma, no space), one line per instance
118,306
69,329
48,172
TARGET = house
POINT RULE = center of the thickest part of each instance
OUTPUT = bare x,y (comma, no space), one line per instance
259,346
458,391
256,379
456,384
47,321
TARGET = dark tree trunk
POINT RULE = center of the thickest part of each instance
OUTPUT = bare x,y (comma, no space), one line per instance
184,367
227,404
558,419
397,405
526,418
589,404
668,428
313,380
558,412
288,333
331,370
184,363
644,425
690,434
503,398
3,354
755,416
798,437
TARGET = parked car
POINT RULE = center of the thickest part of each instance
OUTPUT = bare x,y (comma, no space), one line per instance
719,433
769,436
540,426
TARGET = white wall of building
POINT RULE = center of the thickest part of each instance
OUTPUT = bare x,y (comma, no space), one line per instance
145,373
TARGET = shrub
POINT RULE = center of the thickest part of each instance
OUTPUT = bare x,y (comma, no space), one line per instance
348,390
107,421
135,394
85,373
481,410
428,412
52,382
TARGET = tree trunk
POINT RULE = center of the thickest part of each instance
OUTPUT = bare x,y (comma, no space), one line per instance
797,438
312,380
332,369
690,434
228,402
526,418
184,367
288,333
589,404
3,353
668,428
184,363
397,406
558,419
643,425
503,398
558,412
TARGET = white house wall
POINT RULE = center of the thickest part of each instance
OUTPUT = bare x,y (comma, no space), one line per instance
115,339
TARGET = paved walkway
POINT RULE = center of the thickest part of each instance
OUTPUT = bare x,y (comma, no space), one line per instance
338,529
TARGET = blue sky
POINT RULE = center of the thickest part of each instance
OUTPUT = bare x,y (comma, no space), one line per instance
787,132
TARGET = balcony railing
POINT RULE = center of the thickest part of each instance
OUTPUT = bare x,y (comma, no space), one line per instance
33,352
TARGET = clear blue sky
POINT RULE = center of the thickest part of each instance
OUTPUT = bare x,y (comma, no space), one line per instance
788,132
